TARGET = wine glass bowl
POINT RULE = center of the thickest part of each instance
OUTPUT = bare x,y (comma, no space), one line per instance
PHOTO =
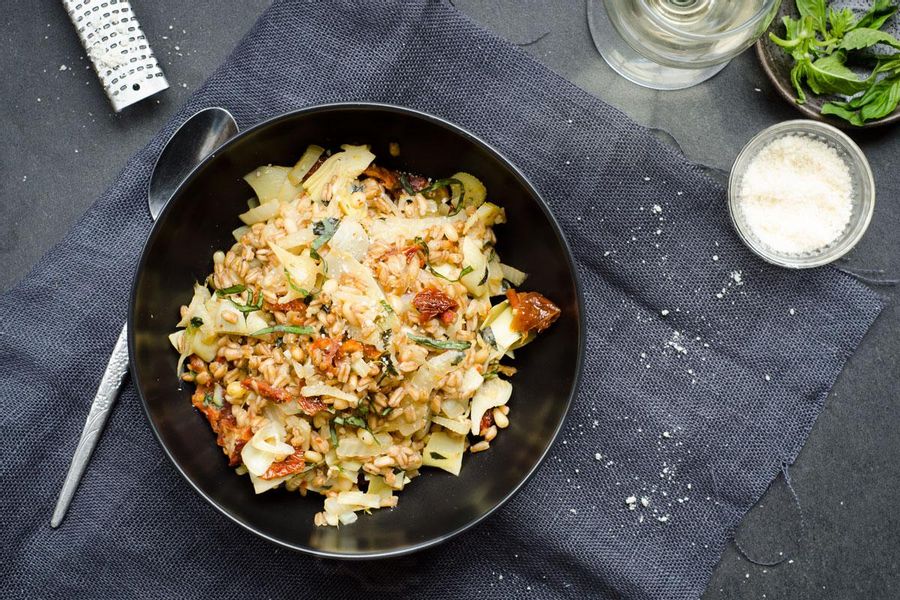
674,44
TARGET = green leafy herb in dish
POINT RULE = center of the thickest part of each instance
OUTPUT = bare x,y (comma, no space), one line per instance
824,41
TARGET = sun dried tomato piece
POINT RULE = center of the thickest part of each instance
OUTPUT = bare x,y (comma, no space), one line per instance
388,178
531,311
310,406
290,465
414,251
196,364
223,423
296,305
267,391
486,422
417,182
324,351
432,302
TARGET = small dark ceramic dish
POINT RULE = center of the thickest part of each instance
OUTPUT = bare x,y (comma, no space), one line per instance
777,65
199,219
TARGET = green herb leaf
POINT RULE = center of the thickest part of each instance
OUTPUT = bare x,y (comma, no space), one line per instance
485,278
387,307
299,330
815,10
829,75
196,322
252,305
404,182
457,192
324,230
235,289
487,334
875,17
863,37
437,456
462,273
387,410
333,435
388,365
839,109
841,21
438,344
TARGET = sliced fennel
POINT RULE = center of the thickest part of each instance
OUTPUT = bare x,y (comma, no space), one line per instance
492,393
306,162
444,451
267,182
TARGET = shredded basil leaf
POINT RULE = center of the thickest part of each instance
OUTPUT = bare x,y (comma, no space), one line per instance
437,456
299,330
462,273
457,359
196,322
438,344
487,334
387,411
388,364
485,278
324,229
387,307
333,435
295,287
235,289
404,181
252,305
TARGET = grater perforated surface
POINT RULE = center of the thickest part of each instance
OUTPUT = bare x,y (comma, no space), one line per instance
118,50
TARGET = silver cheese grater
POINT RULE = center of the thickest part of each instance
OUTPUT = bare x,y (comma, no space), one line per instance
118,49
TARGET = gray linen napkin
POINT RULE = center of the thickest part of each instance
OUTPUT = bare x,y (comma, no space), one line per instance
700,358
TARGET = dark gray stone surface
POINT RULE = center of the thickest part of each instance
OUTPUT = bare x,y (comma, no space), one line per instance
62,146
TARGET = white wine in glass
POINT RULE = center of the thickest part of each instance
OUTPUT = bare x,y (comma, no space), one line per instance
674,44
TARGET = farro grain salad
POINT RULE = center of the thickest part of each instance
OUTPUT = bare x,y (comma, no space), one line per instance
348,338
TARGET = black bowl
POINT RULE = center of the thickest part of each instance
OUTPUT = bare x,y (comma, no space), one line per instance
199,219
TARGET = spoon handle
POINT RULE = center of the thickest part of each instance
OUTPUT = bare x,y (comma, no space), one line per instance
106,397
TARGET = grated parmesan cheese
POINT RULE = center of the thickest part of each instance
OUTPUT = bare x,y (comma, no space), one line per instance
796,195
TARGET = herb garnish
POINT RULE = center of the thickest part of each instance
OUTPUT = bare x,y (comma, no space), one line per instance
823,41
298,329
404,182
324,230
437,456
235,289
351,420
252,305
387,411
487,334
421,243
333,435
196,322
387,307
438,344
388,365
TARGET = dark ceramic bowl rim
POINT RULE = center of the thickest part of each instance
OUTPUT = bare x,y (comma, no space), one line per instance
519,176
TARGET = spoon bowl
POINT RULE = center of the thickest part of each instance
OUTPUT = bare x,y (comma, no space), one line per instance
191,143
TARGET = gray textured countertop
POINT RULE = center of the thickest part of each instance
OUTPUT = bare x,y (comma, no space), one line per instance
63,146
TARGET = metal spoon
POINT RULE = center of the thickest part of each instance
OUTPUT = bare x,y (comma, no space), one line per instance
196,139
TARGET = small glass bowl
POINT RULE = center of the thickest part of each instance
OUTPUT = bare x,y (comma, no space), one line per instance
863,193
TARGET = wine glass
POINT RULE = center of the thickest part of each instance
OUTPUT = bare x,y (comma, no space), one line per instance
675,44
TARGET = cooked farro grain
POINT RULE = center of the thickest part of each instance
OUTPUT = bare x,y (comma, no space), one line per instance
350,337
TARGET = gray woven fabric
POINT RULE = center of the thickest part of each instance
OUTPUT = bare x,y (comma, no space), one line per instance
728,381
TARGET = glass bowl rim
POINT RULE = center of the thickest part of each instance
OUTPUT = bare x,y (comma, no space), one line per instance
859,164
